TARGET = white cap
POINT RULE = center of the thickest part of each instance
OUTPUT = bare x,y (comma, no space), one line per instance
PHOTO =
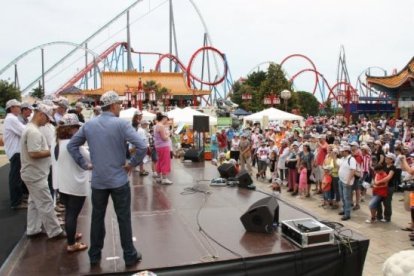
109,97
46,109
12,102
70,119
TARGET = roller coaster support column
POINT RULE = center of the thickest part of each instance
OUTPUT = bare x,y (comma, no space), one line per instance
129,60
43,71
86,65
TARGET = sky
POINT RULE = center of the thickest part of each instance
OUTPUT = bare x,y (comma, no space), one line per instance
374,33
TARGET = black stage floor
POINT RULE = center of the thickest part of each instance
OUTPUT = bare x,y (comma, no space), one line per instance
165,225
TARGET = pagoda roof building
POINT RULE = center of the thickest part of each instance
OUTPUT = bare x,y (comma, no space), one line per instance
120,82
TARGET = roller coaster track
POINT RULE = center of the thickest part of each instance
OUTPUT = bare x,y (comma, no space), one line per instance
82,43
77,46
91,65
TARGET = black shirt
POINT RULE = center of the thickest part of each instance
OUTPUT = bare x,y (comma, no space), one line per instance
393,180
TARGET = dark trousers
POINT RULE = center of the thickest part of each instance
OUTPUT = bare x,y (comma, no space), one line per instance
335,195
15,181
387,206
121,198
73,206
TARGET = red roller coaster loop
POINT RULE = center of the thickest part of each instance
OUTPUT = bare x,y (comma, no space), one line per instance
346,84
190,64
171,57
310,61
187,70
320,75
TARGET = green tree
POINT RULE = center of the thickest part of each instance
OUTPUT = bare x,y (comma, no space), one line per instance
306,102
7,92
38,92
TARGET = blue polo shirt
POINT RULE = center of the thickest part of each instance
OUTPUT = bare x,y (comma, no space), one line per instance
107,136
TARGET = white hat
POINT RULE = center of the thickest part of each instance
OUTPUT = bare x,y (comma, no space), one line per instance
26,105
62,102
138,112
354,143
70,119
345,148
109,97
46,109
12,102
79,104
50,103
390,155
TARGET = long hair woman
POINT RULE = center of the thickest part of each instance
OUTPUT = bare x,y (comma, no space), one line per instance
73,180
162,145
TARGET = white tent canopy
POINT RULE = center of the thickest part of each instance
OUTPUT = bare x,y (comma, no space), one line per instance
273,114
186,114
127,114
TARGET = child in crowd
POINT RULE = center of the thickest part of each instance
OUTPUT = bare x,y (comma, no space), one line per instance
262,160
272,165
303,179
276,185
379,192
327,186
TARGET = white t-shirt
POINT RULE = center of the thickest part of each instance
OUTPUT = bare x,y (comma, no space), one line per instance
33,141
70,178
346,164
12,132
49,131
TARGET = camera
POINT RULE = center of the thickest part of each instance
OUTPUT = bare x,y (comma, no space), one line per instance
407,185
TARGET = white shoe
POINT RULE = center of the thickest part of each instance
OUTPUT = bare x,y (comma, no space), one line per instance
166,181
155,175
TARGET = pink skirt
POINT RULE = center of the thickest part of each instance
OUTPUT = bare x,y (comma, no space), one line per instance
164,160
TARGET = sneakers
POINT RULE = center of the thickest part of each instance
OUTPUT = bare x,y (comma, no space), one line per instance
345,218
21,206
166,181
384,220
371,220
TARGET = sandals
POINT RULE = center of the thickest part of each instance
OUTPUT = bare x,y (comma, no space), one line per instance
143,173
78,236
77,246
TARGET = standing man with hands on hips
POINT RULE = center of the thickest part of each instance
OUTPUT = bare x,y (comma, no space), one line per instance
107,136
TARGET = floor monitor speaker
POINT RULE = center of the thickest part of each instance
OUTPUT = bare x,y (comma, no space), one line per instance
262,216
227,170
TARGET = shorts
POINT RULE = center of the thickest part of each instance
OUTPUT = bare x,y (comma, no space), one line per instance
154,157
357,184
327,196
375,202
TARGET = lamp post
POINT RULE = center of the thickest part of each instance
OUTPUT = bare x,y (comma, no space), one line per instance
247,97
271,99
128,97
140,95
285,95
346,98
166,98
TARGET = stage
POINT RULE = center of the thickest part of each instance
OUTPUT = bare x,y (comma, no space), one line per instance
166,223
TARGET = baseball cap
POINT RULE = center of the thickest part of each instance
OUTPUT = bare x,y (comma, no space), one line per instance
138,112
345,148
144,122
12,102
79,104
109,97
70,119
47,110
26,105
62,102
390,155
49,103
354,144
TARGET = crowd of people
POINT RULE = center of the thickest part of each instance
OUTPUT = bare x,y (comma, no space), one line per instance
56,159
339,162
52,170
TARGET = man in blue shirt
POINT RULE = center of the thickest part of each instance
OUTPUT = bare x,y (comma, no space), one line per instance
107,136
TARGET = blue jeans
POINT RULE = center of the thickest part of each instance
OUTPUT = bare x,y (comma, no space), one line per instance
387,206
121,198
346,195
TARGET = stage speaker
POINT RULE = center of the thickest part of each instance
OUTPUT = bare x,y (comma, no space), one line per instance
201,123
262,216
244,179
227,170
194,155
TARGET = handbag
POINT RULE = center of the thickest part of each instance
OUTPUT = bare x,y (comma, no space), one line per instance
291,164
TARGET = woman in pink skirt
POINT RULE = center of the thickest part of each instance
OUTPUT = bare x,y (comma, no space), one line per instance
162,145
